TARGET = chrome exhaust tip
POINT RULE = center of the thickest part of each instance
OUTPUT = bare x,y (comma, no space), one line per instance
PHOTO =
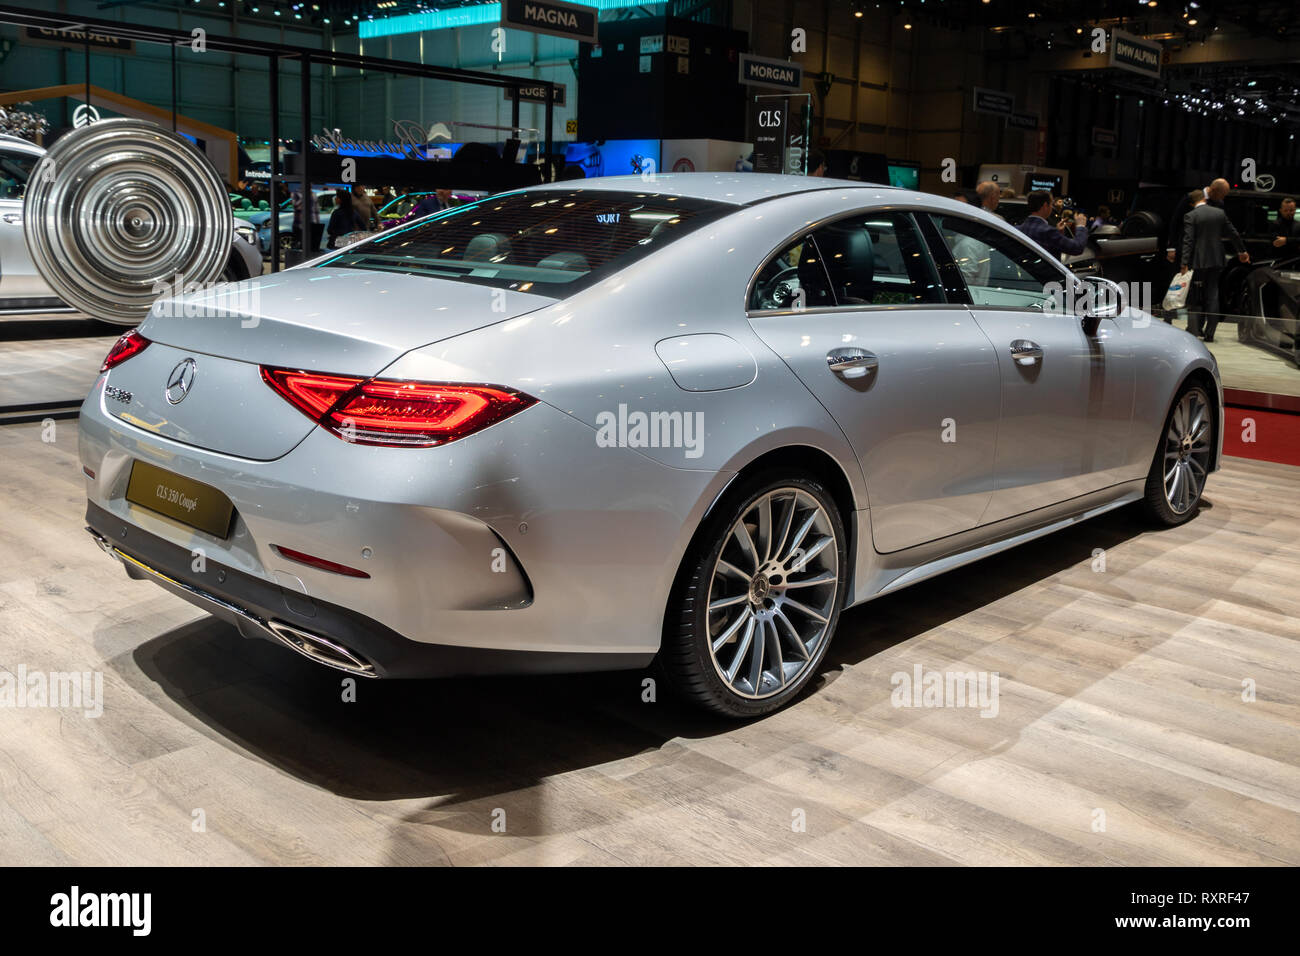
320,649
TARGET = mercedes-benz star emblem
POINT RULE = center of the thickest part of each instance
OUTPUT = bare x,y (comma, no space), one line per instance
180,381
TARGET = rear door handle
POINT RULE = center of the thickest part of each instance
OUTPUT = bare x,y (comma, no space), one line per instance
13,218
851,362
1025,352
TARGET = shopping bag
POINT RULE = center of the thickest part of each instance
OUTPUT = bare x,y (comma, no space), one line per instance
1176,297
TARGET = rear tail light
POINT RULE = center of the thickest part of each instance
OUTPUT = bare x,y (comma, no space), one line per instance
132,343
375,411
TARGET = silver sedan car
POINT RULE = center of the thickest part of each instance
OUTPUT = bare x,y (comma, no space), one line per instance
586,426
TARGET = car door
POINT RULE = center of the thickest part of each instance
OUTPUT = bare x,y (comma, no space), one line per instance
856,309
1067,396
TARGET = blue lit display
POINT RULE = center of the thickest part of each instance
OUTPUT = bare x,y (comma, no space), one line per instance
462,17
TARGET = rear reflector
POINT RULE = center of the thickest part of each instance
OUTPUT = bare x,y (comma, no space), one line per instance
132,343
315,562
396,413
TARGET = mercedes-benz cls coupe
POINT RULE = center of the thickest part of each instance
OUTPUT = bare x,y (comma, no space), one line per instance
687,419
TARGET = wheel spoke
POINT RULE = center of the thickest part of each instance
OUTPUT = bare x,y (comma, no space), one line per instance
745,641
729,635
764,541
1175,487
805,609
747,542
720,603
796,642
815,550
757,647
826,577
799,536
786,518
725,565
778,661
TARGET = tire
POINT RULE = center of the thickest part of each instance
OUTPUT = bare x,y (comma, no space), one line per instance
1181,463
760,623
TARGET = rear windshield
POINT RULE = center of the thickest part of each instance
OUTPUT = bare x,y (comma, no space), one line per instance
552,242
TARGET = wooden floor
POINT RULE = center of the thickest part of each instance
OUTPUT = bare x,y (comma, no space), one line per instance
51,357
1120,694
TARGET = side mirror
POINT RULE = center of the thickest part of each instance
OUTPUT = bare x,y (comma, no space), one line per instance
1102,299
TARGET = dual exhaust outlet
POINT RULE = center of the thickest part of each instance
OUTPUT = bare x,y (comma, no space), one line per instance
317,647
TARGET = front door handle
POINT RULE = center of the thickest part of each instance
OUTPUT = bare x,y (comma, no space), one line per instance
851,362
1025,352
13,218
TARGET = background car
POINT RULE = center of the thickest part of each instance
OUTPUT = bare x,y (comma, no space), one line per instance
288,238
584,427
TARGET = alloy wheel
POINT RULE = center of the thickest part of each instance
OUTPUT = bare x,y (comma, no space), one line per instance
1187,451
772,593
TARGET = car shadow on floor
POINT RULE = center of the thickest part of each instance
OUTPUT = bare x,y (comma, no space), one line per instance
467,741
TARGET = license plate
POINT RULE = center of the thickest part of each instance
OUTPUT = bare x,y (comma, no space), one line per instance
184,499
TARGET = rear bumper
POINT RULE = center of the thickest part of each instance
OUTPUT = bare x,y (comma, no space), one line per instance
524,548
326,633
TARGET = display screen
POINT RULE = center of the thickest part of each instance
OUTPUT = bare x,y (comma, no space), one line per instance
615,157
1045,182
904,176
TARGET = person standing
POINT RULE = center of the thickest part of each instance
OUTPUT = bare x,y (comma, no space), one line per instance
365,207
1286,231
1174,244
436,201
989,196
1204,229
344,219
1052,238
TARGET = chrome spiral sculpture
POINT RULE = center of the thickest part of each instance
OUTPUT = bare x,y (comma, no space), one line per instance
118,209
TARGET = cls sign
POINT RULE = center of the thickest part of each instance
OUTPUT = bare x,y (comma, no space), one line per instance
769,119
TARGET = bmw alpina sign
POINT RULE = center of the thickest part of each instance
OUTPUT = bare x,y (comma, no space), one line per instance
757,71
569,20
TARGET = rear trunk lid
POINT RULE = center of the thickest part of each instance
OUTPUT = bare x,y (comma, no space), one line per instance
342,321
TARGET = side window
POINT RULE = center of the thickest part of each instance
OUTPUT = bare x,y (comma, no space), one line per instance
793,279
864,259
998,269
15,169
877,259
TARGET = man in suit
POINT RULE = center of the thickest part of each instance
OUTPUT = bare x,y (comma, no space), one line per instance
1052,238
439,200
1204,229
